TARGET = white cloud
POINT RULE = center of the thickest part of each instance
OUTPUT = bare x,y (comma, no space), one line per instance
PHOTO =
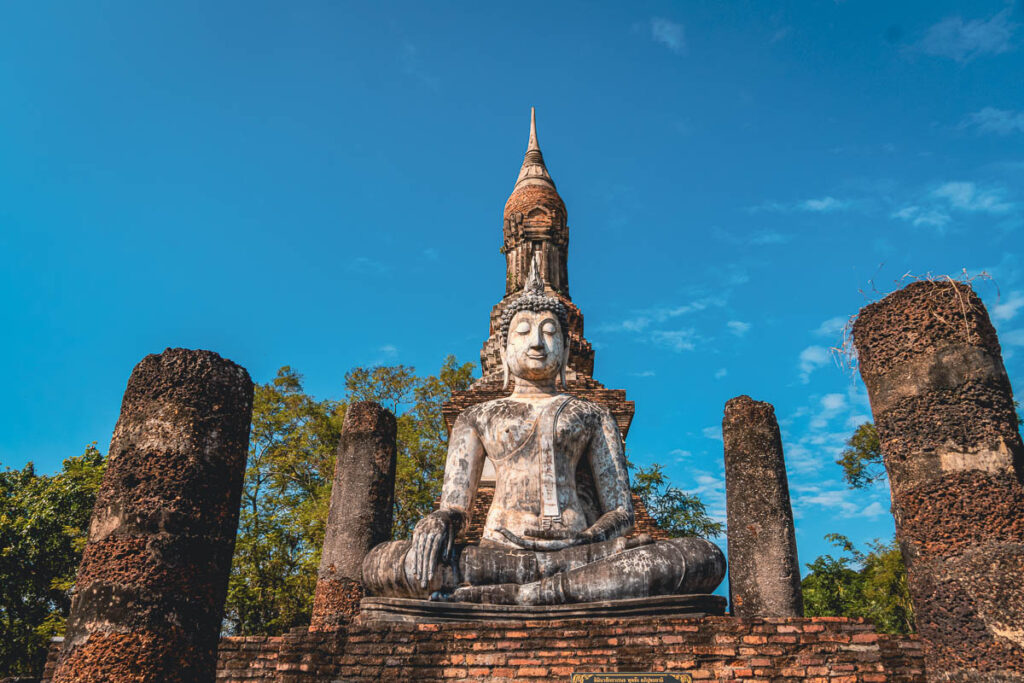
965,40
677,340
757,239
831,327
643,319
680,453
823,205
713,433
819,205
833,495
811,359
917,217
643,373
720,373
1007,310
413,65
738,327
873,510
856,420
780,34
668,33
831,405
770,237
711,490
833,402
1013,338
997,121
966,196
389,349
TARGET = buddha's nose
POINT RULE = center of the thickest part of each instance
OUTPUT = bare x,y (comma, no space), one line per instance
537,340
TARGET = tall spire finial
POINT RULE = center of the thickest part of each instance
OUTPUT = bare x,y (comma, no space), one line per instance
533,131
533,171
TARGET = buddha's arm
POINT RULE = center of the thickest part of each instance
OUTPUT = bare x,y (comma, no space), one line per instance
608,463
435,534
462,470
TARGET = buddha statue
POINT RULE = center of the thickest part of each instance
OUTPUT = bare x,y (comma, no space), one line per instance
545,542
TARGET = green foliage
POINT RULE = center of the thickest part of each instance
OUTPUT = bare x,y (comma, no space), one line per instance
677,512
872,585
422,435
290,472
43,528
284,507
862,459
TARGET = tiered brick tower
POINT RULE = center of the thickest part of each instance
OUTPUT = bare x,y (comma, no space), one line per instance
535,223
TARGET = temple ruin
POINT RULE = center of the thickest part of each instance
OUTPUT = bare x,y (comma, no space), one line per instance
944,411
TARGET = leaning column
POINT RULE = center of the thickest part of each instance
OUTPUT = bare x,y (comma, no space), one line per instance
944,412
764,574
151,587
361,511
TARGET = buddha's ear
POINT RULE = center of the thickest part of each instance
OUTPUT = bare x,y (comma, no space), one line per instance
504,370
565,364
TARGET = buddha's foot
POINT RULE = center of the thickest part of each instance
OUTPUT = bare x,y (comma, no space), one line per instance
497,594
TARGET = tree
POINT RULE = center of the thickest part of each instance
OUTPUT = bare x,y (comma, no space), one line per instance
284,507
43,529
677,512
862,459
422,435
289,475
872,585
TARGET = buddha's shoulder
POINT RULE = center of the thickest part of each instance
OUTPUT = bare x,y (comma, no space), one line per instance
583,406
488,410
513,407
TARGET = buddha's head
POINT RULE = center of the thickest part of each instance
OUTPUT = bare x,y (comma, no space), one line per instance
535,334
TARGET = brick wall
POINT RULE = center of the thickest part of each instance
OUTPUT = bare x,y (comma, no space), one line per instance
715,648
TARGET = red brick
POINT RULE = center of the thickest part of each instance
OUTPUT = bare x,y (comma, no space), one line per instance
532,671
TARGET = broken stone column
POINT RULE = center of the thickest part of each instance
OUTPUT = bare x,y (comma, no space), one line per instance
764,574
149,595
944,412
361,510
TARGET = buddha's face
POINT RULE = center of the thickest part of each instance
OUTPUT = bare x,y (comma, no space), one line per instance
535,348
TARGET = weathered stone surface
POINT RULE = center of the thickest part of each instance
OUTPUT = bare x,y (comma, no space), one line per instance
473,531
764,573
150,590
426,612
944,411
361,509
547,540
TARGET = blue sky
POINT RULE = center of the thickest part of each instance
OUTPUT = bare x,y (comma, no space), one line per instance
321,185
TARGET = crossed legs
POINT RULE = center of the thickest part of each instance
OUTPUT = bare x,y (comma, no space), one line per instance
610,570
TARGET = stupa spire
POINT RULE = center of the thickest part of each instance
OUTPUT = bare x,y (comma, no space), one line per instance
533,145
534,172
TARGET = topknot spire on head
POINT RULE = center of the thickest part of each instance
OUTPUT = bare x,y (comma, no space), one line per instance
534,281
533,298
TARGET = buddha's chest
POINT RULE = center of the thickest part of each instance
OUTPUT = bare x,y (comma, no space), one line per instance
523,437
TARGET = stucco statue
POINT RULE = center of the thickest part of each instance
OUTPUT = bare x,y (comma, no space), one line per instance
545,541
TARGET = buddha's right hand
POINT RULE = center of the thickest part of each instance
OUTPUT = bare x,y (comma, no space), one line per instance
433,535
